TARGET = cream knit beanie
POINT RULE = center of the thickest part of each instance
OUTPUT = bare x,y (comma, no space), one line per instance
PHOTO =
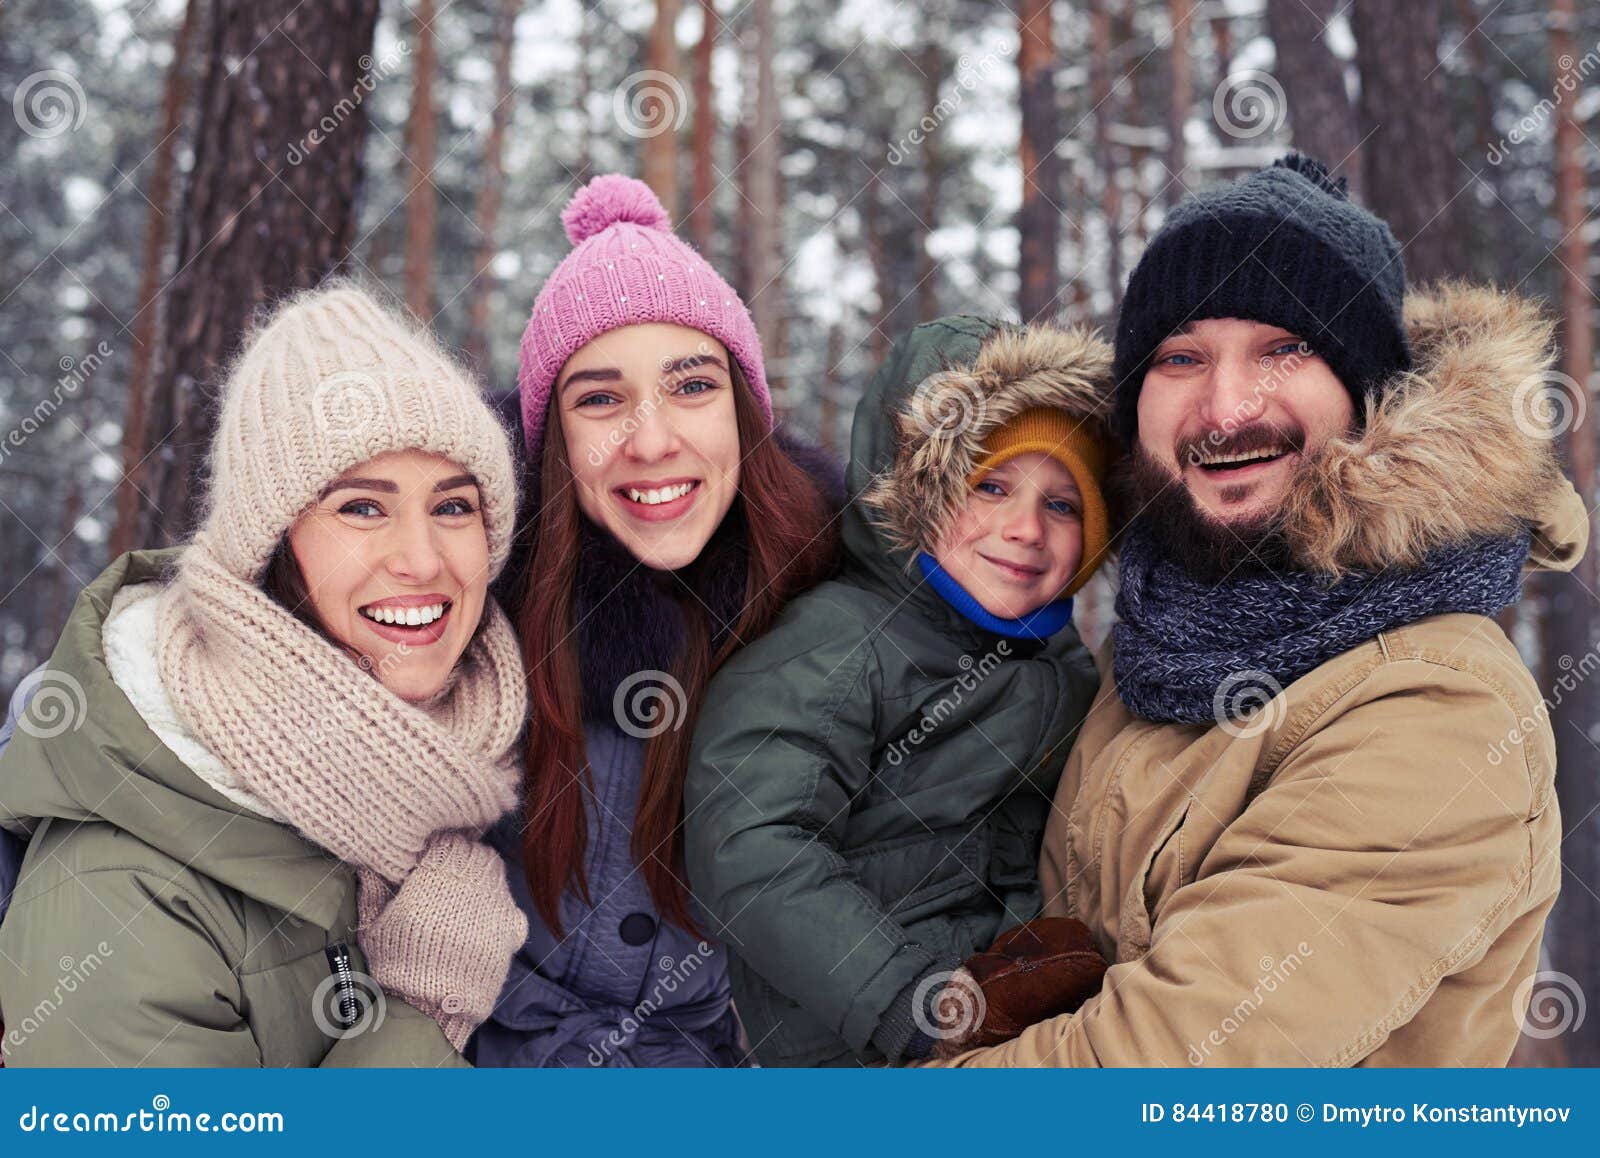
331,380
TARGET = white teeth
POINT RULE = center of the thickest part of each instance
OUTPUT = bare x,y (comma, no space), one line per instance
1246,456
405,616
663,495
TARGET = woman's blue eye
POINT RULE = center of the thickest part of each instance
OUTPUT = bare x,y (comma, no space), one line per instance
370,508
696,386
599,398
457,507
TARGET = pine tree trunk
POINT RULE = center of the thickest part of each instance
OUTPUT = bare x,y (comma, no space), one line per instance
1039,218
422,199
1105,106
255,223
660,165
1321,118
1409,168
701,217
765,292
484,281
1181,65
1570,614
585,93
932,62
136,430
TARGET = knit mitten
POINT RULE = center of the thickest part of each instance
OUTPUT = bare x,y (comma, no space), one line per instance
1031,973
443,940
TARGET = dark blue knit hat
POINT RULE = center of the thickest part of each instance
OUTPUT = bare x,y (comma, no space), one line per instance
1284,246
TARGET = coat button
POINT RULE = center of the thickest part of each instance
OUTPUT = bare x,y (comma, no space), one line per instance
637,928
452,1003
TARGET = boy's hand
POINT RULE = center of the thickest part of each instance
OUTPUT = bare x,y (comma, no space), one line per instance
1031,973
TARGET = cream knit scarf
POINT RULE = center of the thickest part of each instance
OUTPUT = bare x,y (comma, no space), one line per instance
401,792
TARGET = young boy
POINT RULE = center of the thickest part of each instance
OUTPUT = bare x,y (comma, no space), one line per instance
869,781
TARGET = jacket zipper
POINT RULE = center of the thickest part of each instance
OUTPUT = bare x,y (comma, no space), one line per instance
348,1008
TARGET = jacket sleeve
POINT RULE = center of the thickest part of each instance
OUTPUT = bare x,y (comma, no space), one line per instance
11,848
120,968
406,1038
781,752
1388,851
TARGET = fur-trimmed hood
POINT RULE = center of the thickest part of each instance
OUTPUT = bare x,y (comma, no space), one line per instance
946,386
1461,446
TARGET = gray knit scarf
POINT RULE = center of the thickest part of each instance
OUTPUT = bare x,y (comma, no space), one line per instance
1192,653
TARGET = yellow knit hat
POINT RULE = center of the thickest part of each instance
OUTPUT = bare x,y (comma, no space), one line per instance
1078,444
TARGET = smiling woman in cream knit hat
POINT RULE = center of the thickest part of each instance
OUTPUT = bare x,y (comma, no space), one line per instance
324,656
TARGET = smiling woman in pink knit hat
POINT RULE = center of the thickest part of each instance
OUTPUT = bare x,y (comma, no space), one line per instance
670,523
296,727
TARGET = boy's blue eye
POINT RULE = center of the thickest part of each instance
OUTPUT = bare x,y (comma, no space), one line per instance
1295,347
1177,360
1062,507
989,487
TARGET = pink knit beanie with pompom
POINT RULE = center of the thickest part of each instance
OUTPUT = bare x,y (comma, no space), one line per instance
626,267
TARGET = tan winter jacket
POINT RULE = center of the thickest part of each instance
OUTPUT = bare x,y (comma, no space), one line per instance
1360,874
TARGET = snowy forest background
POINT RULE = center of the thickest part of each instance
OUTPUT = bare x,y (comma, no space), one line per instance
855,167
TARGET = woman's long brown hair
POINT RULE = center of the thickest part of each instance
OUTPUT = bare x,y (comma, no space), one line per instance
791,544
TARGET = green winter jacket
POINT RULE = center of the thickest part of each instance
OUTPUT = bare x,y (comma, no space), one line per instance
869,781
155,922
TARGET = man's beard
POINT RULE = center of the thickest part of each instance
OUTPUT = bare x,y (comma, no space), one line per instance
1210,550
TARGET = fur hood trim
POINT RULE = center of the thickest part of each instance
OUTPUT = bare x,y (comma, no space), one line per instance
1460,447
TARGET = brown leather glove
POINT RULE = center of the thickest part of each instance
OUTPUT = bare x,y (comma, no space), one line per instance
1031,973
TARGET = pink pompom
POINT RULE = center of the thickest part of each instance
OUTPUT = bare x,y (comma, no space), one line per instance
609,199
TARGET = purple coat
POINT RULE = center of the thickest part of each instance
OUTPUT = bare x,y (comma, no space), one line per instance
623,988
